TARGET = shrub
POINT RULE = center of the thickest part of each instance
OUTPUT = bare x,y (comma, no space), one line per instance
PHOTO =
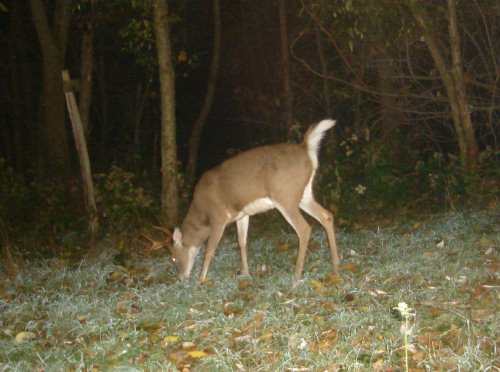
121,202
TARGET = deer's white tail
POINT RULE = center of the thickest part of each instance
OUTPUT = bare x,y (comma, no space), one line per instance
313,138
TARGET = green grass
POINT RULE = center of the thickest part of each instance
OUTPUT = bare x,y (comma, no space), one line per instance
138,316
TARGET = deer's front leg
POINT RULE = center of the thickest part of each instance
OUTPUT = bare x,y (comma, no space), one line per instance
242,228
212,243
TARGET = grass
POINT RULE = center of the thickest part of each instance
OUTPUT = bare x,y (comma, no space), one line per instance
137,316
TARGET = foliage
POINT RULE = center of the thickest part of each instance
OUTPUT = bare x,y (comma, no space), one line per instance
363,178
121,202
102,316
43,212
41,209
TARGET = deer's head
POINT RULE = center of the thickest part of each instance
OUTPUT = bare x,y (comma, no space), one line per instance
183,256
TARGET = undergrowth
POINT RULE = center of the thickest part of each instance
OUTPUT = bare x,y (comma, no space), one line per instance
133,314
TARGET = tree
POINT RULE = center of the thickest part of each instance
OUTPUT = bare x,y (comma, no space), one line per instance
86,68
170,193
452,74
285,63
196,132
403,59
52,40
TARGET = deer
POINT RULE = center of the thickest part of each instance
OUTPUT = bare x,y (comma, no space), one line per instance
278,176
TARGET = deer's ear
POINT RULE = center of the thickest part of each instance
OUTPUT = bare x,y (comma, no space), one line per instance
177,236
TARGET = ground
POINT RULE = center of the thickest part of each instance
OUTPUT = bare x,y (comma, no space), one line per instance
136,315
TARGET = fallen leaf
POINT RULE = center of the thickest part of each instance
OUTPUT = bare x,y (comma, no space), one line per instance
209,283
243,284
23,337
378,365
171,339
318,286
378,293
332,279
352,267
322,346
349,297
254,324
296,341
314,245
329,334
191,326
142,358
418,356
177,357
232,309
267,336
239,367
197,354
284,246
188,345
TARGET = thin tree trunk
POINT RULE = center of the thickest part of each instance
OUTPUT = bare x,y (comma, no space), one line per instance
53,97
141,97
391,118
83,156
324,71
457,74
453,80
195,138
170,192
102,105
15,149
285,65
87,65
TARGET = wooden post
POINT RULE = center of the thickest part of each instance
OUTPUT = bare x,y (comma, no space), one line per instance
83,155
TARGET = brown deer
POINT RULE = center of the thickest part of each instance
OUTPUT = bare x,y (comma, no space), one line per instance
274,176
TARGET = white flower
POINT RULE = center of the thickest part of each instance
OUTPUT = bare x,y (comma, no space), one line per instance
404,310
360,189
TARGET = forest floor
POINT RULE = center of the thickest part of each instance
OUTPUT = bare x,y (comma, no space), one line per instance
131,313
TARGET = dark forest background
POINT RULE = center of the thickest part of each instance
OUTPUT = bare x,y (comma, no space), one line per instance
414,85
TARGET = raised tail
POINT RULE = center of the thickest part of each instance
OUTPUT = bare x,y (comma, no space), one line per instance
313,137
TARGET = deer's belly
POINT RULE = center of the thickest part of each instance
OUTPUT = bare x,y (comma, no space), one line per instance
257,206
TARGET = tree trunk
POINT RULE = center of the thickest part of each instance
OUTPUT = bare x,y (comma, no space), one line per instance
170,192
87,65
467,142
52,45
14,148
102,107
24,79
324,71
390,114
195,138
83,156
285,65
141,96
453,79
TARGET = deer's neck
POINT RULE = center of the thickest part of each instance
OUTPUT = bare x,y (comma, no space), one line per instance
195,228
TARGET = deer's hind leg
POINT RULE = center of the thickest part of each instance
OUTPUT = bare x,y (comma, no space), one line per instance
309,205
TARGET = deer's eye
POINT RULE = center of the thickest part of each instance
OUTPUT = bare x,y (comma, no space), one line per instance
173,259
